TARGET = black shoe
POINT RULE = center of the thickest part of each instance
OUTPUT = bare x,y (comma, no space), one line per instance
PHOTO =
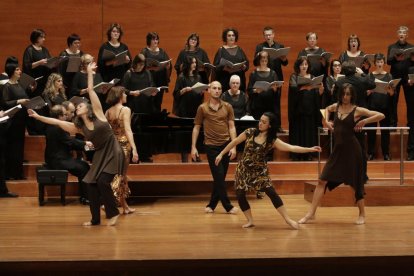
410,156
84,201
370,157
387,157
9,194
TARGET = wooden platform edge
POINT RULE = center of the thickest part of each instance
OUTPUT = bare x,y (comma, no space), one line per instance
376,194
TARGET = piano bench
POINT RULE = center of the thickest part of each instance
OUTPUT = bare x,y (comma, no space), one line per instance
46,177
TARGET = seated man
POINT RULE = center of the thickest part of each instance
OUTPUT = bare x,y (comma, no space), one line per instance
58,155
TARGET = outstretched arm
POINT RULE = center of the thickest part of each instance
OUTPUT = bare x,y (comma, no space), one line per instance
282,146
232,145
67,126
96,104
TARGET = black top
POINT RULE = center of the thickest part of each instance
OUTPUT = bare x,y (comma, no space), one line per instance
80,81
67,76
11,93
380,101
185,105
138,81
31,55
238,102
201,57
275,64
160,77
111,72
316,67
235,55
59,145
397,67
361,85
266,100
344,57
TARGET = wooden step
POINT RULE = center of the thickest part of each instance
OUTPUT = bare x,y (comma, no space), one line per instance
378,193
35,146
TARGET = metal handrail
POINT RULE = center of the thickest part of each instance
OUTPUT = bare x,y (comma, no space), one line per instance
401,130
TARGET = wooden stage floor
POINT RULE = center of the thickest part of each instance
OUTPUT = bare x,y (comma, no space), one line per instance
171,235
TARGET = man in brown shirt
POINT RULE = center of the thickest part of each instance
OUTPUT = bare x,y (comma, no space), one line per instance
217,118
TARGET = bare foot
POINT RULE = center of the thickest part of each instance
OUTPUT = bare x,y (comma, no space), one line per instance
112,221
88,223
293,224
306,218
233,210
248,225
360,220
208,210
128,211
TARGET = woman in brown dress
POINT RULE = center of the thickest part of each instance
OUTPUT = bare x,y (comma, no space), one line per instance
345,163
107,163
252,172
119,117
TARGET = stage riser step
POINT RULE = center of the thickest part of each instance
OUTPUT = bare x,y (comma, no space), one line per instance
380,193
35,146
154,188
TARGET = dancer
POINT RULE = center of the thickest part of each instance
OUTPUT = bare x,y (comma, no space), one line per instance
252,171
108,159
119,117
345,163
217,119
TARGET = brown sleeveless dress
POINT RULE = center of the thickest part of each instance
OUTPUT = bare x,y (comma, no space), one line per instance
108,156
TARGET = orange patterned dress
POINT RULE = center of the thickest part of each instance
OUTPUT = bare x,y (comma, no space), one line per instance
121,190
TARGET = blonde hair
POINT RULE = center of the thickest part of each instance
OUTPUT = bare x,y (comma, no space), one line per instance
85,60
50,90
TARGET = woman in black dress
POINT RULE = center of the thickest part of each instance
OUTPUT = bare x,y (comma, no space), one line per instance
345,163
232,52
34,60
380,102
110,68
303,109
73,51
260,100
318,66
108,160
160,72
192,49
135,80
13,94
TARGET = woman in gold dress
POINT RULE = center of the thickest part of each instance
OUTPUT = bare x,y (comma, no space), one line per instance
119,117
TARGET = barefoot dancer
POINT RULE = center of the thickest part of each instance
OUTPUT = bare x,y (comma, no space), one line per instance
108,158
119,117
345,163
252,171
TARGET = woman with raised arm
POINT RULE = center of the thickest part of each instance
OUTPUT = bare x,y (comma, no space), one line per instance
252,171
345,164
119,117
107,163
